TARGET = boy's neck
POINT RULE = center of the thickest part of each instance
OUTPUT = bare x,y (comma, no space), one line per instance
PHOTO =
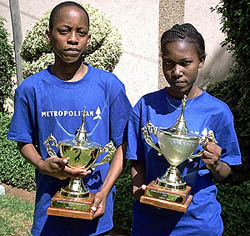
69,72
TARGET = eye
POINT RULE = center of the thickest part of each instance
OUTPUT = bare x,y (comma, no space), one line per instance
63,31
82,33
185,63
168,63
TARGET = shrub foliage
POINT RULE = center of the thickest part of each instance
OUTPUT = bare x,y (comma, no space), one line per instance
235,91
7,66
14,170
103,52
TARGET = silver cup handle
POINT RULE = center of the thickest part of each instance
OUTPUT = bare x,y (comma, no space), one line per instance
149,128
210,137
110,149
50,150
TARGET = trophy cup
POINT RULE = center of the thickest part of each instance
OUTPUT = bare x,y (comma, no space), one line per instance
177,144
75,200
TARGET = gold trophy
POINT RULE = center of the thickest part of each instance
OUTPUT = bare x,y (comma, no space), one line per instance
75,200
177,144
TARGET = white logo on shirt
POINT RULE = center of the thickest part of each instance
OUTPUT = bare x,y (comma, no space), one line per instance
98,113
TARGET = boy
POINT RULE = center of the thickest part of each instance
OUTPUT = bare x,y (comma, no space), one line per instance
51,101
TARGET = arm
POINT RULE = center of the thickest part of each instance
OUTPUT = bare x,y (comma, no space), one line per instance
113,174
219,169
53,166
138,174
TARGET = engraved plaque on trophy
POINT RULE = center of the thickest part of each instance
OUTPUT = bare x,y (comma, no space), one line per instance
176,144
75,200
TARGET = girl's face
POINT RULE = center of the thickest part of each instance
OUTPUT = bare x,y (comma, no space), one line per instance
180,67
69,36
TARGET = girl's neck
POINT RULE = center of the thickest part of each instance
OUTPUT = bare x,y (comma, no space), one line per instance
194,92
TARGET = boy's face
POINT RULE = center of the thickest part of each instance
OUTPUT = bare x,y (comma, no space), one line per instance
69,36
180,66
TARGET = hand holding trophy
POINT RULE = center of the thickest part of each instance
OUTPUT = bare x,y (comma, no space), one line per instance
75,200
177,144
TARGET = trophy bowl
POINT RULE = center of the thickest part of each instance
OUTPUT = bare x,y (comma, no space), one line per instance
75,200
177,145
176,148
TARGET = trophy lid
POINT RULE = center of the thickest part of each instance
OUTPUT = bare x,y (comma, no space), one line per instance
81,135
81,140
180,126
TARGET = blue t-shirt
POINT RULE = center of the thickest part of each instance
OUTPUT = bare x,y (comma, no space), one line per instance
46,105
202,113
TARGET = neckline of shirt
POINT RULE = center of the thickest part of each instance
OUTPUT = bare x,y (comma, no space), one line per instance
177,104
56,81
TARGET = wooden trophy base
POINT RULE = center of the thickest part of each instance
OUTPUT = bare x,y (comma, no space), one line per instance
66,207
177,200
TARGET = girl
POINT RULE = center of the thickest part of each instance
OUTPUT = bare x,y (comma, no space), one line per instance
183,54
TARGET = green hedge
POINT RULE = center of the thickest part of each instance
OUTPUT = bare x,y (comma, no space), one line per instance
235,91
235,15
123,210
103,52
7,66
14,170
235,199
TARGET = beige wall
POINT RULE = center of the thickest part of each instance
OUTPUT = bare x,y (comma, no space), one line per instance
198,13
218,61
141,23
136,20
171,12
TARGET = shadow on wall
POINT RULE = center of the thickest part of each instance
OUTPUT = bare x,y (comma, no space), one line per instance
217,67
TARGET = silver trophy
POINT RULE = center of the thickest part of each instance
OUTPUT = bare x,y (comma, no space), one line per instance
177,145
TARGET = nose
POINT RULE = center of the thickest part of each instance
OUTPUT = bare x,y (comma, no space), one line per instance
177,71
73,39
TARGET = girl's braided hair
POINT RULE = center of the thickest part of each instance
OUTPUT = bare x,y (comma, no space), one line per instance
186,32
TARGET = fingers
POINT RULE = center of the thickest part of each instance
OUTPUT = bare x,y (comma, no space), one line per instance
93,209
212,149
76,172
98,207
57,167
139,191
143,187
211,155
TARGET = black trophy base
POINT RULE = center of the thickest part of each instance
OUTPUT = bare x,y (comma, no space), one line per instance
176,200
73,208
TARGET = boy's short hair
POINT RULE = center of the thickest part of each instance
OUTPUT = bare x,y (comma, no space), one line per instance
60,6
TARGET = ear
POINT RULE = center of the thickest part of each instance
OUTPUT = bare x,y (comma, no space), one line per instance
47,34
202,61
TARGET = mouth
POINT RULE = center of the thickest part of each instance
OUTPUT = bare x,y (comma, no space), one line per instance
179,83
72,51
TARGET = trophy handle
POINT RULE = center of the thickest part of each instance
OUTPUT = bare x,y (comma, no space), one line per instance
210,137
50,150
149,128
110,149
